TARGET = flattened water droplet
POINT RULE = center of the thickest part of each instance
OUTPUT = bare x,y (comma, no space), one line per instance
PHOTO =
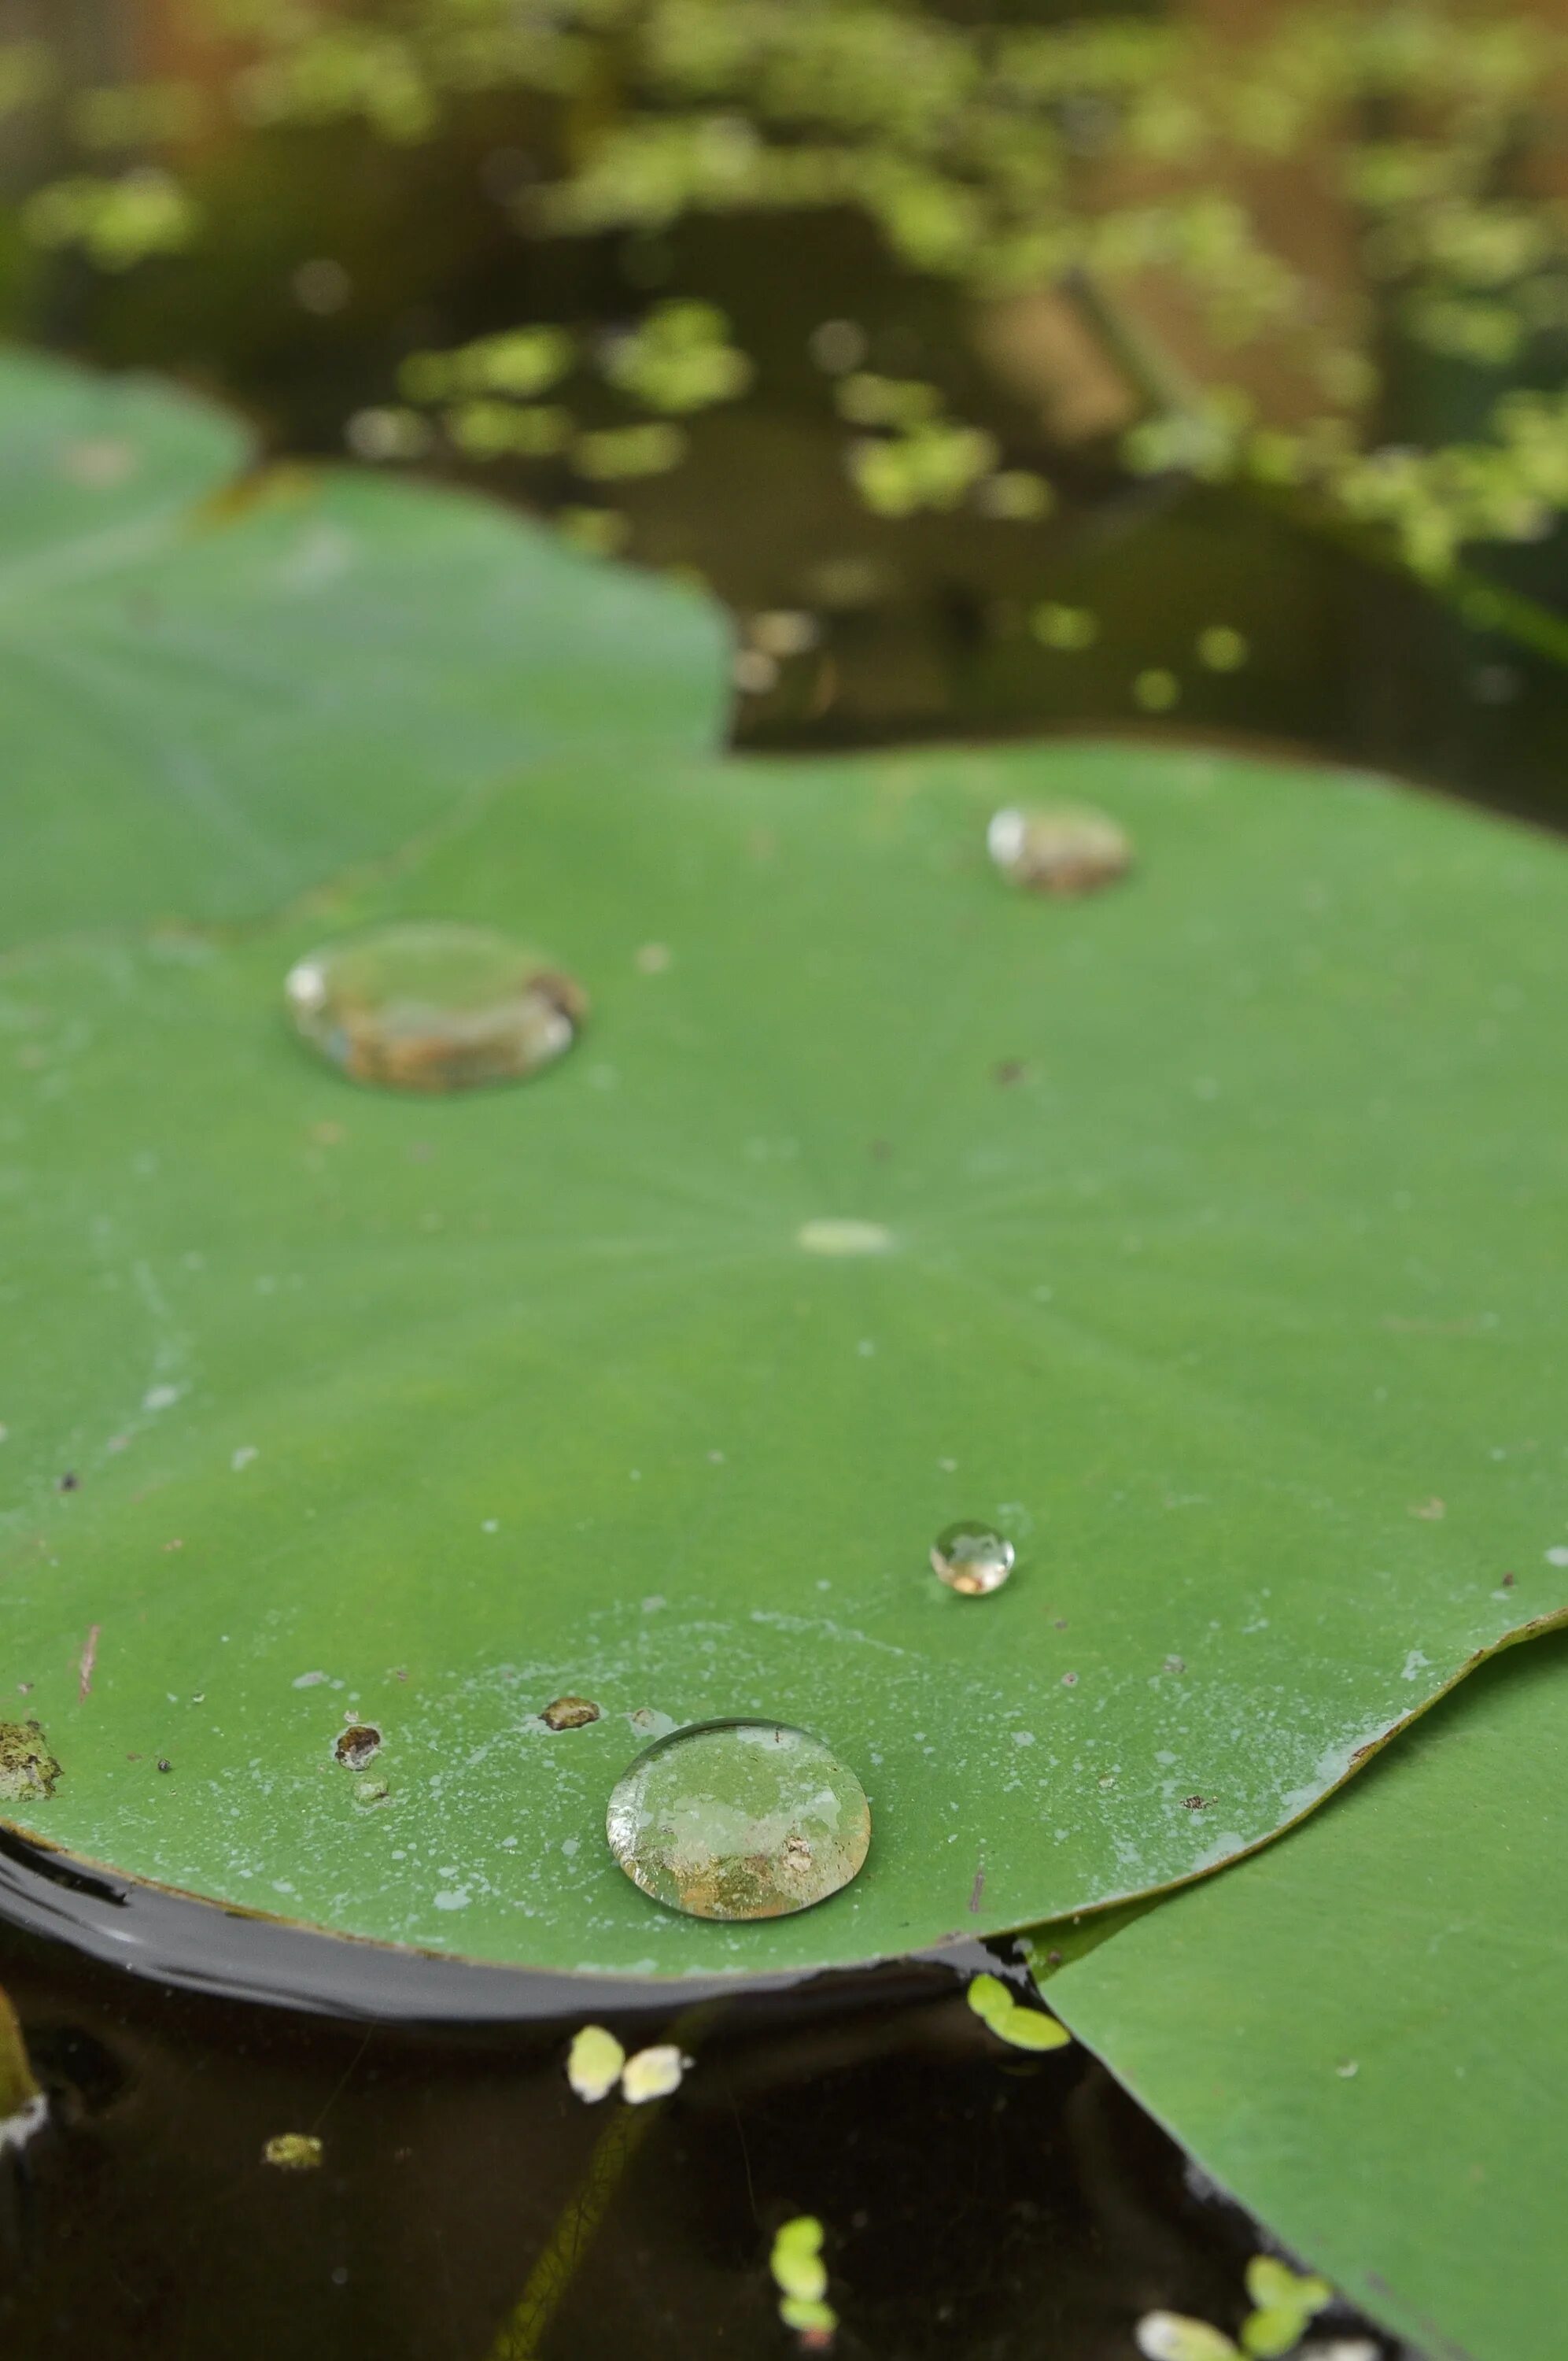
1058,848
738,1819
569,1713
293,2152
431,1007
972,1557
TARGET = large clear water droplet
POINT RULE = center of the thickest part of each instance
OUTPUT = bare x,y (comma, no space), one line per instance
738,1819
972,1557
434,1007
1058,848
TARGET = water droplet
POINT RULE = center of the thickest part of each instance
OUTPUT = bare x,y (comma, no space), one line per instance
293,2152
839,1237
356,1744
738,1819
972,1557
1058,848
569,1713
433,1007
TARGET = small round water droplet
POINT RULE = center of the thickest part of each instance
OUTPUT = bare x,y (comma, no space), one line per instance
972,1557
738,1819
1058,848
431,1007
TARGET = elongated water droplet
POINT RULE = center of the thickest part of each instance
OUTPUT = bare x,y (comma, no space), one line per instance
972,1557
1058,848
431,1007
738,1819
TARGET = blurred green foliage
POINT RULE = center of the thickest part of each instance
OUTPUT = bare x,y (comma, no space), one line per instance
1105,157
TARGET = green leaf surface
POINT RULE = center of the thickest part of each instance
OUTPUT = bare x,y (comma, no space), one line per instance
1219,1211
1360,2034
215,695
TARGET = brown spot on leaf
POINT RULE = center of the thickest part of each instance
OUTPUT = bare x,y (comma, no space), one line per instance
28,1769
356,1744
569,1713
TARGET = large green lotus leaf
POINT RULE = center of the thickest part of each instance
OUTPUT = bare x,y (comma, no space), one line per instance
1361,2032
214,697
1223,1213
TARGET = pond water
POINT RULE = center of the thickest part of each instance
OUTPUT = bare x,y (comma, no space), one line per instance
978,2201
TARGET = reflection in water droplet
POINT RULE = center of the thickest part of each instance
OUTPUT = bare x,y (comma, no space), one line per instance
833,1237
738,1819
569,1713
1058,848
972,1557
430,1006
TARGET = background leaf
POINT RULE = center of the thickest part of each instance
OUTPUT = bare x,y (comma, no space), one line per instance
1358,2032
217,696
1218,1210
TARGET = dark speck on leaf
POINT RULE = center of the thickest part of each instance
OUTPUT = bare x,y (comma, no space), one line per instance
1195,1803
1509,1581
356,1744
164,1764
1053,1958
1009,1070
69,1482
569,1713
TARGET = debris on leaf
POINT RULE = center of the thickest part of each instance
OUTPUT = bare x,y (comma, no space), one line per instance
293,2152
594,2063
801,2277
356,1744
652,2074
28,1769
1011,2020
569,1713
